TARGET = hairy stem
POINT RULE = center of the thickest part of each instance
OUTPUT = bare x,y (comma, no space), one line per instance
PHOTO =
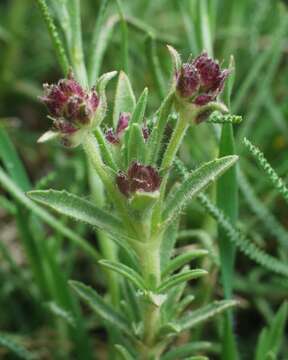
150,264
92,150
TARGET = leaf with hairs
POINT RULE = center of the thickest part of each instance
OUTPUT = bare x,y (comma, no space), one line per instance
77,208
276,181
197,181
125,271
123,353
124,98
205,313
182,260
101,308
186,350
177,279
19,195
13,346
235,235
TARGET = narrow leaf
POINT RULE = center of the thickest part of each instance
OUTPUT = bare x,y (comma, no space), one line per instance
103,310
124,98
55,38
58,311
9,343
77,208
205,313
156,138
19,195
123,353
182,260
175,57
270,338
179,278
139,112
125,271
136,146
197,181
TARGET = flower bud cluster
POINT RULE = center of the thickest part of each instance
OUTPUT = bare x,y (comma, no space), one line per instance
201,80
71,107
138,178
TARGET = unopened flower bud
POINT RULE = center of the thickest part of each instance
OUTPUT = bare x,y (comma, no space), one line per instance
138,178
201,80
189,80
71,107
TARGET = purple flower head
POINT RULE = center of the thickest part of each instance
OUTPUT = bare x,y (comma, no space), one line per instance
201,80
70,105
138,178
188,81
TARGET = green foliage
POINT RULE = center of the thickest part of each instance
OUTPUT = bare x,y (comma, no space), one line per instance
269,171
177,279
196,182
147,298
203,314
182,260
270,338
186,350
77,208
102,309
125,271
14,347
124,98
236,236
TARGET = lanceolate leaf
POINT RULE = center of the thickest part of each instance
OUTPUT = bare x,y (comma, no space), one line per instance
57,310
18,194
77,208
123,353
136,145
168,243
9,343
156,137
103,310
182,260
124,98
175,57
186,350
138,113
205,313
197,181
270,338
179,278
125,271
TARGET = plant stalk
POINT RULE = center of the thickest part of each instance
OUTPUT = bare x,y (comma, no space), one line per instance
150,264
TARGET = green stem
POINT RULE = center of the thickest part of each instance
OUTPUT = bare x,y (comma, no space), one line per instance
107,246
150,264
175,141
92,150
169,156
